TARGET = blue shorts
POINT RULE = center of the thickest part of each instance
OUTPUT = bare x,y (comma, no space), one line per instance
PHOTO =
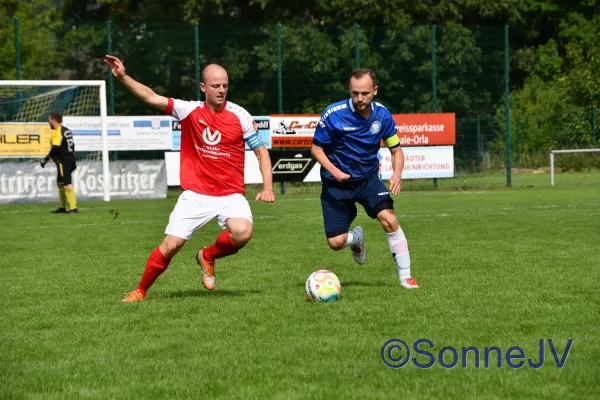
339,202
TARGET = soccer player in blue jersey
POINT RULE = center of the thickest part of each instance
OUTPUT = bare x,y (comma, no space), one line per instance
346,143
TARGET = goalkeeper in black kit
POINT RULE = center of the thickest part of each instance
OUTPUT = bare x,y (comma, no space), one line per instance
63,155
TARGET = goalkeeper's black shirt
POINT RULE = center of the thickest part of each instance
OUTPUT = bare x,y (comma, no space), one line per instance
63,145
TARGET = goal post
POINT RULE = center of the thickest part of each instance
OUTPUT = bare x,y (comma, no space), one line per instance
20,86
553,152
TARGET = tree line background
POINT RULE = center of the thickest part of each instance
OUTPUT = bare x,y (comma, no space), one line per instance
553,47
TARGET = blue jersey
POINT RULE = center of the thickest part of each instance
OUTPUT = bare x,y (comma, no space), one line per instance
351,141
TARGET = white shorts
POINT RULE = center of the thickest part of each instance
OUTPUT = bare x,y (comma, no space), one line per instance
194,210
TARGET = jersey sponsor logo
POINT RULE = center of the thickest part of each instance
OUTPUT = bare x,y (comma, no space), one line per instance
211,138
349,128
375,127
382,193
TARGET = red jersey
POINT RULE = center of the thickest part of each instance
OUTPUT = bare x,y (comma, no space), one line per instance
212,146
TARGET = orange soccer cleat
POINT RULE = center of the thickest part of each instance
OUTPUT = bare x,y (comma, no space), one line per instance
208,270
136,295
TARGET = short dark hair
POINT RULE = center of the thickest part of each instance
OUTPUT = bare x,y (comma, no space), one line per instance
55,115
360,72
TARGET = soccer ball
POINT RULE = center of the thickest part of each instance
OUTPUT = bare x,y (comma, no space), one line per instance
323,286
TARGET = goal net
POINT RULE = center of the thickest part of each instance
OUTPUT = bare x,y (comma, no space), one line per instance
592,161
25,133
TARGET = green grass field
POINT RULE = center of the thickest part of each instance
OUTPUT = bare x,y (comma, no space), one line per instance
496,268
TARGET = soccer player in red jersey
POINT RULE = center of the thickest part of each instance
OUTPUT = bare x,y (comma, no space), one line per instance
212,154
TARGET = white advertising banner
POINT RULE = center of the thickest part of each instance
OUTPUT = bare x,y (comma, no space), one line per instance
124,133
172,163
419,163
30,183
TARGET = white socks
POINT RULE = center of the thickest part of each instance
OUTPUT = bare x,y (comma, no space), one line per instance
399,249
353,239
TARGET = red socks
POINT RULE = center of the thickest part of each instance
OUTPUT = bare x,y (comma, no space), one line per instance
156,265
224,246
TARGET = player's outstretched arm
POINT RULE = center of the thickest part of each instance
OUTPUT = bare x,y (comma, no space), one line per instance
266,170
139,90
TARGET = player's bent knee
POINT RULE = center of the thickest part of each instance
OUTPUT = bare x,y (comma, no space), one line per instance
171,245
337,242
388,220
241,233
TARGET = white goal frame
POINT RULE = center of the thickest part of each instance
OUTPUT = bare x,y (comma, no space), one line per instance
103,115
553,152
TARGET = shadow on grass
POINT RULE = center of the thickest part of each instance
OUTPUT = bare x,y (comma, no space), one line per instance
214,293
365,283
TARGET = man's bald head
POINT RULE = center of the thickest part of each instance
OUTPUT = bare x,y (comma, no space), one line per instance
213,71
215,83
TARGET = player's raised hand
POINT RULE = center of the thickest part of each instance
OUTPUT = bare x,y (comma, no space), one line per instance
395,184
116,66
266,195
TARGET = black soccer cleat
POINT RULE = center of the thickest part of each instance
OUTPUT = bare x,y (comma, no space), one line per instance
60,210
74,211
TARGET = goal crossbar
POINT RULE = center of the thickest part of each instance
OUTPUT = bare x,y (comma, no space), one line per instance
103,113
51,83
553,152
